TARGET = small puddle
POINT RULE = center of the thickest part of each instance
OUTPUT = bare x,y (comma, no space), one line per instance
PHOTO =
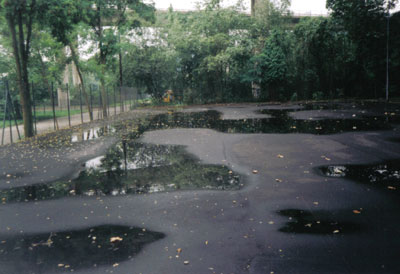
384,175
68,251
133,168
315,222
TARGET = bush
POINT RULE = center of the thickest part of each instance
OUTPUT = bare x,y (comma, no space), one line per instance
318,95
294,97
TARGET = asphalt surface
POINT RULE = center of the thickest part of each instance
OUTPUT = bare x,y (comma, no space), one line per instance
207,231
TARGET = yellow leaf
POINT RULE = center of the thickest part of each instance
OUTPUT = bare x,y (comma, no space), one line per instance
115,239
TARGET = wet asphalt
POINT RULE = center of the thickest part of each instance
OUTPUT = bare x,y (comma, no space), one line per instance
288,217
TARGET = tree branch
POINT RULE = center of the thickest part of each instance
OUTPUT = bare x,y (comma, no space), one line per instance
29,27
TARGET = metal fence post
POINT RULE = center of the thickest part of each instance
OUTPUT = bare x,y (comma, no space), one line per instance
115,101
53,106
80,101
108,103
5,116
68,105
34,108
12,112
91,100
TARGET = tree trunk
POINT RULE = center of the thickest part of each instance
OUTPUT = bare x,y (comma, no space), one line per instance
78,68
121,79
102,62
103,89
21,55
253,7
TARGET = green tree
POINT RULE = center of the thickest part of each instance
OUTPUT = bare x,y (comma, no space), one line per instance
20,16
323,58
270,68
365,23
100,16
63,23
209,58
47,62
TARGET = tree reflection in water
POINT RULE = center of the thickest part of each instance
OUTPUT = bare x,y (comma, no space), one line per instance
133,168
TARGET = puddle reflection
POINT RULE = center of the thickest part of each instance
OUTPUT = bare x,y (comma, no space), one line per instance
73,250
385,174
281,122
92,133
133,168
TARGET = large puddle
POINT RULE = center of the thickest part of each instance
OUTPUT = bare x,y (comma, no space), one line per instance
68,251
133,168
281,122
383,175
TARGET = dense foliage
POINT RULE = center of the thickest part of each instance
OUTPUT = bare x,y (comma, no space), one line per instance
213,54
216,54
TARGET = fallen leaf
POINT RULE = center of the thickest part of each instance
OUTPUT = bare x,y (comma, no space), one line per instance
115,239
355,211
